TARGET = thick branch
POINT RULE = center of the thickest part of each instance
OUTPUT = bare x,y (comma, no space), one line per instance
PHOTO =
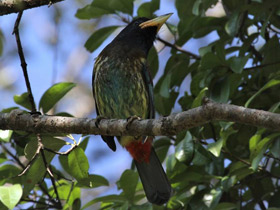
170,125
14,6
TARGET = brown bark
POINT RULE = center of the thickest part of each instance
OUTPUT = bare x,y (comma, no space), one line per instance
14,6
165,126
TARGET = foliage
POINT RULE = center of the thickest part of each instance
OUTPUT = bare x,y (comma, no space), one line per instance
221,165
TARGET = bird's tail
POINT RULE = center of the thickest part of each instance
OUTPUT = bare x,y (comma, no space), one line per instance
156,185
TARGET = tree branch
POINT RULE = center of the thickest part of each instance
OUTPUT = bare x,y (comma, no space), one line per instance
170,125
174,46
14,6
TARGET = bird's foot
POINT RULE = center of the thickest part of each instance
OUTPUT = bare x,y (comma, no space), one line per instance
131,119
98,119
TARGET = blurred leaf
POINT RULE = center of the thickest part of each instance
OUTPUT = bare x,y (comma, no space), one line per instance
107,198
93,181
64,163
5,135
220,90
98,37
148,8
128,183
185,102
64,114
276,148
84,143
10,195
198,100
201,155
215,148
49,142
8,172
165,86
78,163
164,105
184,151
103,7
237,63
23,100
184,8
226,206
205,25
257,149
54,94
270,84
37,171
152,61
210,60
232,26
162,146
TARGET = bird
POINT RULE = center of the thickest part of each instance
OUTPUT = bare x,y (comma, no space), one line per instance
123,89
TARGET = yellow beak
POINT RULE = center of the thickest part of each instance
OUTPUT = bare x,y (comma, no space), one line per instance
158,21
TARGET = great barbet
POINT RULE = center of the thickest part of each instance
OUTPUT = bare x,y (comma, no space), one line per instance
122,89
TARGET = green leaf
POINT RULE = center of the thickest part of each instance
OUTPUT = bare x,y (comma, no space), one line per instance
216,147
237,63
93,181
10,195
49,142
102,7
107,198
128,183
23,100
201,155
98,37
165,86
258,149
210,61
198,100
162,146
220,90
78,164
148,8
270,84
84,143
225,206
37,170
232,25
54,94
5,135
152,61
184,151
8,171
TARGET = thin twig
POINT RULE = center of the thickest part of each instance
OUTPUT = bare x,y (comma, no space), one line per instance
176,47
71,189
271,156
62,153
23,62
25,169
39,202
12,155
249,164
47,193
48,168
261,66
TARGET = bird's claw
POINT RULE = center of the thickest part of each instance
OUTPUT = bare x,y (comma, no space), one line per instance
130,120
98,119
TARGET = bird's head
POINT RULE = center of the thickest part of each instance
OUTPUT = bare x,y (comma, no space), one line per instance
141,32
